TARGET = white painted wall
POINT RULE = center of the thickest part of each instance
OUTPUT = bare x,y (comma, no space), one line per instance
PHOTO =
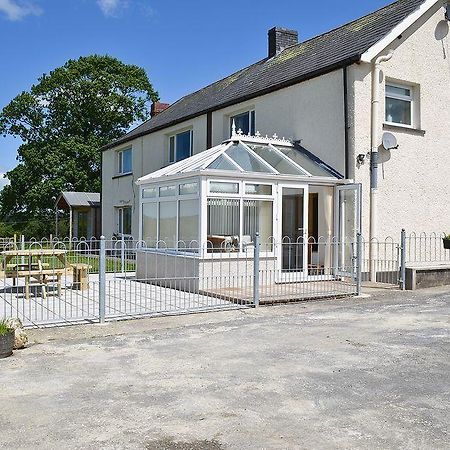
311,112
414,180
150,153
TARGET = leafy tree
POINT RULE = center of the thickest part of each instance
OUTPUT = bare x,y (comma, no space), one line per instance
62,121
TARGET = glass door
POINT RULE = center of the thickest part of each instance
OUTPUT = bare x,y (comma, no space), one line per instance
293,254
348,220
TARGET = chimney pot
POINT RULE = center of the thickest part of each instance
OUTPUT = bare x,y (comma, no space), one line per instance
281,38
157,108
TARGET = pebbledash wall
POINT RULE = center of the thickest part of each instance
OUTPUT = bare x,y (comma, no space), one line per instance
296,112
414,180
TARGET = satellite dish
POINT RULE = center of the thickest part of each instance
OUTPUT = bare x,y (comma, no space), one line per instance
389,141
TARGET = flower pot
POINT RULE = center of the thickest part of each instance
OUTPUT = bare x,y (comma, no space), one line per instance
446,243
6,344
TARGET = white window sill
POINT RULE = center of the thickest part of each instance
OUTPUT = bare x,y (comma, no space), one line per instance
404,128
120,175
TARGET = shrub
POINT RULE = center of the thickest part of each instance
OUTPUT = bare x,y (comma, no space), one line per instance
5,328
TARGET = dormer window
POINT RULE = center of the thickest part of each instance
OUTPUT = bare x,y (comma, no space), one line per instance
245,122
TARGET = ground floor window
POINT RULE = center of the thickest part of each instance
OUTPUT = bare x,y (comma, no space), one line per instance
124,220
172,224
258,217
150,223
188,220
225,217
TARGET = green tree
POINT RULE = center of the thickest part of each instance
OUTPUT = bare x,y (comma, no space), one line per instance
63,121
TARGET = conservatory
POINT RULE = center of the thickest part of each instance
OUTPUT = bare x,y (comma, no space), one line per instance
215,202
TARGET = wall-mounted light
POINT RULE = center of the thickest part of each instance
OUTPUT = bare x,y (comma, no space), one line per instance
361,158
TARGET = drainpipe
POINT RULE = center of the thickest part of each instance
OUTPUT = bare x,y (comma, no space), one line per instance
375,142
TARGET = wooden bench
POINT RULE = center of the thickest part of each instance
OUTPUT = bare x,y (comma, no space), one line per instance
13,269
43,277
80,276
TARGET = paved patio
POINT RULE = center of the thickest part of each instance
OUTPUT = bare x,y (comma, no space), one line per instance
125,298
353,373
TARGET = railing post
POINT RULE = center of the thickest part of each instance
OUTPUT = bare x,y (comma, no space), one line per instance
122,254
102,281
358,263
403,260
256,271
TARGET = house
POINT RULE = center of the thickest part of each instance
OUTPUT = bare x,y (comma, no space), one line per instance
84,213
335,98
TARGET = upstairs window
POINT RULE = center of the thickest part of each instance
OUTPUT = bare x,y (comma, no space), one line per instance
399,104
180,146
244,122
124,161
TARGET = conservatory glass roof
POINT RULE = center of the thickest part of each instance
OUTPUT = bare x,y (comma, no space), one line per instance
249,154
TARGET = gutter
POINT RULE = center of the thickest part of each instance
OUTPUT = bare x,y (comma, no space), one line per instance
310,75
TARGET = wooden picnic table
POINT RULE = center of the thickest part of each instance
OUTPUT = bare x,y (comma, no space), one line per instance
35,268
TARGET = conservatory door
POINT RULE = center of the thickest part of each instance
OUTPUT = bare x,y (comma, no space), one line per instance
293,252
348,220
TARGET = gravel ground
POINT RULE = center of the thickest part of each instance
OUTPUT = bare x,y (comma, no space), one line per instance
356,373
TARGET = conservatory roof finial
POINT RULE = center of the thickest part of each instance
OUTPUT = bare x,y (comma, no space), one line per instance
233,128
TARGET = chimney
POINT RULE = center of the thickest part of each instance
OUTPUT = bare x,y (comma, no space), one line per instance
280,38
157,108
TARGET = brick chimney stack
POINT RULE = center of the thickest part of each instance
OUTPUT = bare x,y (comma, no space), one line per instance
281,38
158,107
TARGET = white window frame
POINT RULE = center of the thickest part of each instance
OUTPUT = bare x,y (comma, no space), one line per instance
251,120
120,153
177,197
242,196
120,210
408,98
174,137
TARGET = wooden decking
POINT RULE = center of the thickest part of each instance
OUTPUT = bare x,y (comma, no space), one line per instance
284,292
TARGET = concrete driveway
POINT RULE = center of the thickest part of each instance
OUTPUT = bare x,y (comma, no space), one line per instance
356,373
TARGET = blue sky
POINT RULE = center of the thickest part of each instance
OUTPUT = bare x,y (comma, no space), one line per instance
182,44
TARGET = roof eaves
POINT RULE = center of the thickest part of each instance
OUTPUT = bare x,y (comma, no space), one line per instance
398,30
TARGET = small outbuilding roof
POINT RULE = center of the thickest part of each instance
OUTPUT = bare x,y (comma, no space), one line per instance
74,199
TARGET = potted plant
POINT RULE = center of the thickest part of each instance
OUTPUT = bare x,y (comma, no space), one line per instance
6,339
446,240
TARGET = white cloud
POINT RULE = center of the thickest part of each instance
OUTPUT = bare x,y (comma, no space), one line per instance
110,7
16,9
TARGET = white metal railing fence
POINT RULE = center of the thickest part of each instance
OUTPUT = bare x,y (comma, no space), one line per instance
391,256
384,267
57,281
425,248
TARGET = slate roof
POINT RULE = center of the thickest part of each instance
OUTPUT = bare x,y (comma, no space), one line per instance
80,198
324,53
